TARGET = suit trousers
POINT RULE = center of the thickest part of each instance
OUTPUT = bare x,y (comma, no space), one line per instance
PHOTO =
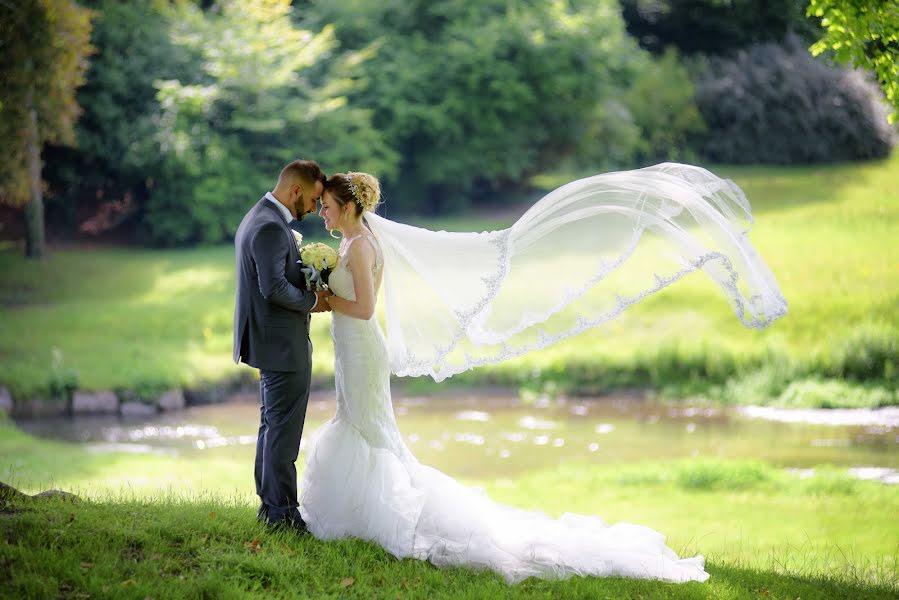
284,397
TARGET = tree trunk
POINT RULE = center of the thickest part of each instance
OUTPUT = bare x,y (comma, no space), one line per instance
34,210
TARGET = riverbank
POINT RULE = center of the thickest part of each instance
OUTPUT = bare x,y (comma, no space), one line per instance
141,323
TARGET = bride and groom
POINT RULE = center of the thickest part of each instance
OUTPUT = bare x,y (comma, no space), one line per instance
454,301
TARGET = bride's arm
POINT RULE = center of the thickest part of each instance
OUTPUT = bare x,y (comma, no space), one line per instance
360,259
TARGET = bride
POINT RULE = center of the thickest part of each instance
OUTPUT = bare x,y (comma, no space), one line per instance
575,260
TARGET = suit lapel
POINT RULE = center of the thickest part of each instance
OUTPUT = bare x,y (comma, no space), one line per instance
292,272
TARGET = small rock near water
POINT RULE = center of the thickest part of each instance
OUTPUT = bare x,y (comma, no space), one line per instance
103,402
137,409
171,400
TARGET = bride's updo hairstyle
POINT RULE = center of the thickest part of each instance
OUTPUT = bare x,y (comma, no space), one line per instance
359,189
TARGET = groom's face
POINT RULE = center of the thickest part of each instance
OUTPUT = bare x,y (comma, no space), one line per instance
307,198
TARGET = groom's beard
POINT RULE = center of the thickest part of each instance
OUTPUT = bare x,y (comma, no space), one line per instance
300,210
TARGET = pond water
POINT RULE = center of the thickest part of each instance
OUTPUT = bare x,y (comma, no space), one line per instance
491,436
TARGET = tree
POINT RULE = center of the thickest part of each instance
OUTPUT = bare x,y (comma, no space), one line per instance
254,107
44,45
479,96
865,33
104,180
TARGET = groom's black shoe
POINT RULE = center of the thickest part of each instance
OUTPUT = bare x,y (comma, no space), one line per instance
262,513
293,522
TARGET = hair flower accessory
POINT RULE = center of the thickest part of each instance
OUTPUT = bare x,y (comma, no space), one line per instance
354,189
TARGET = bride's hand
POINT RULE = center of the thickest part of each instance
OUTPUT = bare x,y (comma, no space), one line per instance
322,304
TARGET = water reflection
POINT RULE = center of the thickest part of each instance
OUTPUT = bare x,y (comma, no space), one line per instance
888,417
497,436
473,415
890,476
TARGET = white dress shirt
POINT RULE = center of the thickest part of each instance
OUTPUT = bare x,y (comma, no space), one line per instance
285,212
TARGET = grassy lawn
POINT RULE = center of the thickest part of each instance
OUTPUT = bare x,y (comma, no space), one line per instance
147,319
167,527
213,549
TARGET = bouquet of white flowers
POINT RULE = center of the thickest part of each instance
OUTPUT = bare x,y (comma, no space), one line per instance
318,260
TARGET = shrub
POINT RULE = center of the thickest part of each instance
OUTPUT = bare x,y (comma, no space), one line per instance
759,386
774,103
662,105
870,353
833,394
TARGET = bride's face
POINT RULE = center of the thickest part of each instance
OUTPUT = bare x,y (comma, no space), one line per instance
330,212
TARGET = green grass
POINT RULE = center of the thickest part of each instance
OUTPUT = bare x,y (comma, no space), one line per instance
147,319
171,527
209,548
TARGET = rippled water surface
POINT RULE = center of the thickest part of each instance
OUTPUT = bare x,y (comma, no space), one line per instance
478,436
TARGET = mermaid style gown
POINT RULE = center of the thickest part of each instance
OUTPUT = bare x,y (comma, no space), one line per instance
361,480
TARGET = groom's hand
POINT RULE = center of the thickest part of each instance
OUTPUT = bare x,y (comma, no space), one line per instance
322,305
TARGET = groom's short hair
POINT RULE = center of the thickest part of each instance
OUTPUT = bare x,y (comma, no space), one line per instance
307,171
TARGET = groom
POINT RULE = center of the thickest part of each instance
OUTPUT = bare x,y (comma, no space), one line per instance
271,332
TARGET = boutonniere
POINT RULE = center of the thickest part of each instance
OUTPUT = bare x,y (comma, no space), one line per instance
298,237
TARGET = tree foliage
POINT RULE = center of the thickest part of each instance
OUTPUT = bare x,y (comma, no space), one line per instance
478,95
662,102
714,26
191,107
225,134
44,46
117,160
865,33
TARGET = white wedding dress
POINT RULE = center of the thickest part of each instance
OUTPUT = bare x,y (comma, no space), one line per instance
362,481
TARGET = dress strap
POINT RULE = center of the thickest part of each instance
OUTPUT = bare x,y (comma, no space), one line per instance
371,240
347,242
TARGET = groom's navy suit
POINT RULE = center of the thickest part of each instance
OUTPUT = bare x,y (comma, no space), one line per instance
271,333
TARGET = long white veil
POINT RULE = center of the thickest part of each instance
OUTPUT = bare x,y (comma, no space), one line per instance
575,260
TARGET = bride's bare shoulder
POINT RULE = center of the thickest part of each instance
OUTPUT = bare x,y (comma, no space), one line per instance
361,250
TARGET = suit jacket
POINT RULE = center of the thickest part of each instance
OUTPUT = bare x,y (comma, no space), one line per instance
271,312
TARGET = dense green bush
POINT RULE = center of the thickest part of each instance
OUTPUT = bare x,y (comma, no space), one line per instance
773,103
661,101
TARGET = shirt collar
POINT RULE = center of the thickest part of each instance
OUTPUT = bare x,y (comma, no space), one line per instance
284,211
